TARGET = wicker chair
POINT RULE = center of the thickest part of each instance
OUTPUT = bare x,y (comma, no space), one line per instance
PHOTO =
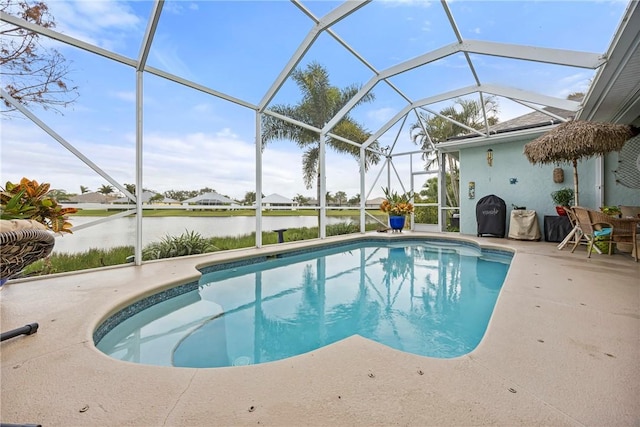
629,212
19,248
576,236
622,229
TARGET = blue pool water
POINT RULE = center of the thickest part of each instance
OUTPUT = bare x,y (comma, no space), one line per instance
427,297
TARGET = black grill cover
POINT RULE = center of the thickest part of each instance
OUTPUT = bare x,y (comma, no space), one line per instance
491,215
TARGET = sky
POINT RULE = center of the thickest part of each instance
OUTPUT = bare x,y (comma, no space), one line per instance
193,140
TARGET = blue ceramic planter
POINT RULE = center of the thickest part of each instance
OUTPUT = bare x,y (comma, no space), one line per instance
396,222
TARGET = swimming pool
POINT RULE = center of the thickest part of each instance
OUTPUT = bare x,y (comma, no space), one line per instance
432,297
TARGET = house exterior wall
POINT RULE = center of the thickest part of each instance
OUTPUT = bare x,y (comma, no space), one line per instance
617,194
534,183
533,187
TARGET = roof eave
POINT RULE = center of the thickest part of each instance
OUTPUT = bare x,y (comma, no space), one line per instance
614,95
521,135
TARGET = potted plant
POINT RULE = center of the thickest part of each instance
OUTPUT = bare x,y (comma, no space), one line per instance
398,206
30,200
613,211
563,198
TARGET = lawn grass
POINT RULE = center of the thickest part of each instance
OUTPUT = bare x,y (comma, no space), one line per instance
93,258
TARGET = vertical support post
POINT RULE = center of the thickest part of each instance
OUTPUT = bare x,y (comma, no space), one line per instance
363,201
323,186
411,187
442,191
143,55
137,251
389,171
258,180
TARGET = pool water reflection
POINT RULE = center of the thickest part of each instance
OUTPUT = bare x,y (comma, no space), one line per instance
431,298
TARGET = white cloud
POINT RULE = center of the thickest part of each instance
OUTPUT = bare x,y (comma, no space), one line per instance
202,108
128,96
220,160
178,7
169,58
226,133
105,15
27,151
578,82
102,23
382,115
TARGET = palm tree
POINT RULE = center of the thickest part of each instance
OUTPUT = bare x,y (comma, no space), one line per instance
320,103
465,111
329,198
106,189
131,188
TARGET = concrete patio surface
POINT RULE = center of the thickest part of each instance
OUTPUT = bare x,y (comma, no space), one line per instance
562,348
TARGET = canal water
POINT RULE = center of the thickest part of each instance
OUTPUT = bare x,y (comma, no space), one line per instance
121,231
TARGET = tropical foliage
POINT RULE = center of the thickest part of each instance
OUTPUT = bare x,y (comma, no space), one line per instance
189,243
430,130
396,204
563,197
106,189
320,103
30,200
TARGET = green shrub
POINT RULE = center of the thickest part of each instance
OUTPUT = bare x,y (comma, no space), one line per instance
343,228
189,243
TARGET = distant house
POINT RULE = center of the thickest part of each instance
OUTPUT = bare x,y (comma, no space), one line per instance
209,199
92,197
276,200
373,203
146,197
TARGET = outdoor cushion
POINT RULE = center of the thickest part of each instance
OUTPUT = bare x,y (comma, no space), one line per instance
603,232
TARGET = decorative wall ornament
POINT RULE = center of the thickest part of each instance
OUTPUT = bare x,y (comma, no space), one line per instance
558,175
628,172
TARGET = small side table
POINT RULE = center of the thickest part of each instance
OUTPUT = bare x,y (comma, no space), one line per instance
556,228
280,234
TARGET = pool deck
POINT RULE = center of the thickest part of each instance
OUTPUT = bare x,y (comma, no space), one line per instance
562,348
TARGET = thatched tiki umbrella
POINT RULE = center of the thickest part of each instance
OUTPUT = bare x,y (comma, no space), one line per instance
575,140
